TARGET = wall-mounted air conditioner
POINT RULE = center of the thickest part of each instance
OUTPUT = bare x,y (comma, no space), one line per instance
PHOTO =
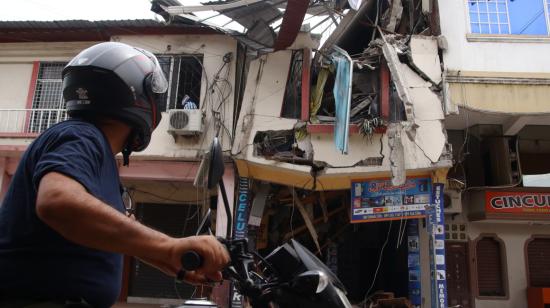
452,201
185,122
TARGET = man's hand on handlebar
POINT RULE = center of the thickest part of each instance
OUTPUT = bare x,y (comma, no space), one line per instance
214,258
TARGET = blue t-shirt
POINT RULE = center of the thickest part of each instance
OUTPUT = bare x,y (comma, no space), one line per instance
36,261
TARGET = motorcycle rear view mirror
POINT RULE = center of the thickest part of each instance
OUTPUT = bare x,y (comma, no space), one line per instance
215,166
215,172
310,282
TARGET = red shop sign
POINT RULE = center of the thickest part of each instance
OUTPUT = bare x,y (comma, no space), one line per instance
517,202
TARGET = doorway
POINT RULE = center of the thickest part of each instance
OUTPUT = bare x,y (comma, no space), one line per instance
458,274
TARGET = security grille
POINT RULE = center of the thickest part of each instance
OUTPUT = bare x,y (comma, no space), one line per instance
538,260
48,105
184,74
490,274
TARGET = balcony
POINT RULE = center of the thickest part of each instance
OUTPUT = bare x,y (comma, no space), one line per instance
28,122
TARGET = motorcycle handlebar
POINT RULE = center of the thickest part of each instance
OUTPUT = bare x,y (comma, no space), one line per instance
191,260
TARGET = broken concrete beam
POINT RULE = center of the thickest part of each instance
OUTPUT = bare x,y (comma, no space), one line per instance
392,16
397,154
398,79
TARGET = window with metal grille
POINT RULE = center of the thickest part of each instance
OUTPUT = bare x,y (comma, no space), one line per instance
48,107
538,260
526,17
184,73
490,264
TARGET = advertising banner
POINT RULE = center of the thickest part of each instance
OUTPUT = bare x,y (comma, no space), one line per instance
240,227
413,245
378,199
517,202
436,228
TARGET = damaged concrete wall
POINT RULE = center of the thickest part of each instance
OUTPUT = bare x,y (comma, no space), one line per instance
421,141
423,104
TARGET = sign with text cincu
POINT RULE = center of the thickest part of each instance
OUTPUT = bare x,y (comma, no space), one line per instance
378,199
517,202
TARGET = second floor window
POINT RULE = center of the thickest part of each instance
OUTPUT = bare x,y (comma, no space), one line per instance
184,73
48,106
523,17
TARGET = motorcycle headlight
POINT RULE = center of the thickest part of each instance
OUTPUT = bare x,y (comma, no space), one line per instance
343,299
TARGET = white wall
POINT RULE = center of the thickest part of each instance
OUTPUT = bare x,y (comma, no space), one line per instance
498,56
213,48
16,64
15,80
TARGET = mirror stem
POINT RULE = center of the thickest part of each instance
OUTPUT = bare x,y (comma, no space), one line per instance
228,234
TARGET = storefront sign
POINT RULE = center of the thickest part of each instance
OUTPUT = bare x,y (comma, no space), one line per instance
517,202
241,228
376,200
436,227
413,244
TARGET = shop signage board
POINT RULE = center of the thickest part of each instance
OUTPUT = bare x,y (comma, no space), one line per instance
241,227
436,228
413,245
517,202
378,199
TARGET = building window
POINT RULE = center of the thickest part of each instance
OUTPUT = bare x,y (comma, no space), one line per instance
538,262
48,107
184,73
490,265
525,17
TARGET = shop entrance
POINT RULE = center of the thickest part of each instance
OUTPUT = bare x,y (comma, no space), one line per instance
361,266
458,290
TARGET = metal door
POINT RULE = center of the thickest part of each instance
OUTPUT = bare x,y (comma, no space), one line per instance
458,275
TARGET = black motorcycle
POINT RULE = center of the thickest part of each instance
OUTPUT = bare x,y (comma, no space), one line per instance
290,276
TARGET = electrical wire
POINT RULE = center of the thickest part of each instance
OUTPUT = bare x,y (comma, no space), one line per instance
379,262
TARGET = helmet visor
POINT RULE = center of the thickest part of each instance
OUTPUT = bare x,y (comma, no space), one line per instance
159,84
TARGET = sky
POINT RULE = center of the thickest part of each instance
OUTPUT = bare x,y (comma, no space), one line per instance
47,10
78,9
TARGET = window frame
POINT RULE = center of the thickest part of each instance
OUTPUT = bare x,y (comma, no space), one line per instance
171,92
504,267
520,38
526,255
30,126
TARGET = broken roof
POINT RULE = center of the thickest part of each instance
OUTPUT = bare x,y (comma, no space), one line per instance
269,25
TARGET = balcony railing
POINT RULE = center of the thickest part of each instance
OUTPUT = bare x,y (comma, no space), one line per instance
29,121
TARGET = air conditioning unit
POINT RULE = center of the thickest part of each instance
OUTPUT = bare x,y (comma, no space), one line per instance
452,201
185,122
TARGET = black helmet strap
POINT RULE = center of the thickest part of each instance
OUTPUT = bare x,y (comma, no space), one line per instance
126,155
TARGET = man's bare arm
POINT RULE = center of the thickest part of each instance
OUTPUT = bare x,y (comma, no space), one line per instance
66,206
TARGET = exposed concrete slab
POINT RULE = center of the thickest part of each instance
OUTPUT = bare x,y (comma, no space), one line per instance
430,138
424,55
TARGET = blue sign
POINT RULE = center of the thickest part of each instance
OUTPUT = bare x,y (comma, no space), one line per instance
413,244
241,227
376,200
241,213
436,229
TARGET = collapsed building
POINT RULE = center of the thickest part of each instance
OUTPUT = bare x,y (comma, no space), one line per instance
312,121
